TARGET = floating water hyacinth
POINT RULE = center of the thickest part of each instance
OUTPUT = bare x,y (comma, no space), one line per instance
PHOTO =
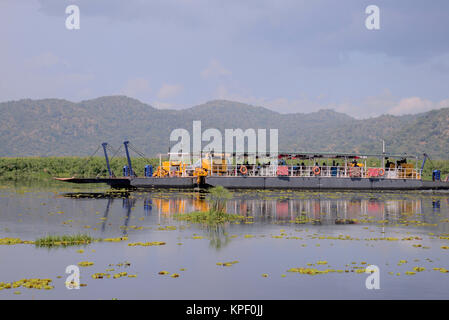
314,271
13,241
100,275
167,228
419,269
34,283
116,239
122,264
147,244
64,241
226,264
209,217
120,274
163,272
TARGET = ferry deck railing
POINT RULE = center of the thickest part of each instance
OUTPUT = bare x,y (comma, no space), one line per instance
312,171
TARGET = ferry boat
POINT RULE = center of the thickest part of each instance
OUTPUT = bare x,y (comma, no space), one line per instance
287,170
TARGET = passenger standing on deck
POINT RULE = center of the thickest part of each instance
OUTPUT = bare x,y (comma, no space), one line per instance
258,166
333,169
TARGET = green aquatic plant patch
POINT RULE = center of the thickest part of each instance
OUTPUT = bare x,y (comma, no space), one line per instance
209,217
64,240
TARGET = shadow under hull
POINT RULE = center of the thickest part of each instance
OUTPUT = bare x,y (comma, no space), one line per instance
245,182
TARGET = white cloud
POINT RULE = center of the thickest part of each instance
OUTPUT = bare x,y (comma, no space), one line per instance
386,103
370,106
169,91
373,106
416,105
215,69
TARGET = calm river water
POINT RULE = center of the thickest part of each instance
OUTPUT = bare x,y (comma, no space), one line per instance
406,235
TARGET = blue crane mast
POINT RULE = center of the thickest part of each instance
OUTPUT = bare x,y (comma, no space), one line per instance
104,145
131,172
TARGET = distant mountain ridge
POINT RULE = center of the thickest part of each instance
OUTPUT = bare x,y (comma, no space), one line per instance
57,127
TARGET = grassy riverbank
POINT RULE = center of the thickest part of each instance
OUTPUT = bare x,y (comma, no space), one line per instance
42,168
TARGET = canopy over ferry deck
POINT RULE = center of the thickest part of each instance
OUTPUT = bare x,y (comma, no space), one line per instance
286,170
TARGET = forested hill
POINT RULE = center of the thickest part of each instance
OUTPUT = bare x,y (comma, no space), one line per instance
60,127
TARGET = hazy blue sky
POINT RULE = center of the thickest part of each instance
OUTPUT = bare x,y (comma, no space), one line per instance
290,56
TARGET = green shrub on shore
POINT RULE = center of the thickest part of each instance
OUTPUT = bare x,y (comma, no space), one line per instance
48,167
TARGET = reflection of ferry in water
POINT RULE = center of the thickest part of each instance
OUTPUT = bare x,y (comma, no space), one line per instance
325,209
292,170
